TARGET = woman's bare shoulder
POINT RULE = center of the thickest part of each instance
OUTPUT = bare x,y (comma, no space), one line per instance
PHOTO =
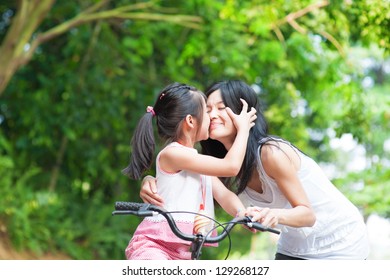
276,152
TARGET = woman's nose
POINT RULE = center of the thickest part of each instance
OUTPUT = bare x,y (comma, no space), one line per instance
212,113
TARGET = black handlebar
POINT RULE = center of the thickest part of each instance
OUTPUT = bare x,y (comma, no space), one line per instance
144,210
134,206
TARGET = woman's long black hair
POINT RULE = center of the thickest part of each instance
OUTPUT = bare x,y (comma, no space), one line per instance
231,92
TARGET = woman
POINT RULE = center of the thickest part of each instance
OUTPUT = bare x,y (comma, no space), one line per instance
285,187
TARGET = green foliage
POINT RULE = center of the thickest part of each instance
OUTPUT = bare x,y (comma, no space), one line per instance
67,117
374,197
370,21
369,188
42,221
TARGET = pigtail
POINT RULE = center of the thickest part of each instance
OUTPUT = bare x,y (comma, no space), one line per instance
143,147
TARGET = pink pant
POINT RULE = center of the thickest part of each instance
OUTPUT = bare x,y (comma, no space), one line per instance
144,248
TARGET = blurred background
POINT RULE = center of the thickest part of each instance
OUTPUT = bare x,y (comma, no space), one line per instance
75,76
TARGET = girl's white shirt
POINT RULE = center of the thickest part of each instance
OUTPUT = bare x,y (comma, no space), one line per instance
182,191
339,231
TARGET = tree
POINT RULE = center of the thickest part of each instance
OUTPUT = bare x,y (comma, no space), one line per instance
66,116
24,37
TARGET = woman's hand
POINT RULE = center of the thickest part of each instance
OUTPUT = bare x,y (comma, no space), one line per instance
148,192
266,216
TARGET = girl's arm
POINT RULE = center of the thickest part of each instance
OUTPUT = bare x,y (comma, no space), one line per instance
176,159
281,164
228,200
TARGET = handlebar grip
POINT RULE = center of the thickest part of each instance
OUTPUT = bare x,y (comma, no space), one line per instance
273,230
133,206
261,227
258,226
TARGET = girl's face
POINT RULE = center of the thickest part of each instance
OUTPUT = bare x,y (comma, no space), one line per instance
221,128
203,133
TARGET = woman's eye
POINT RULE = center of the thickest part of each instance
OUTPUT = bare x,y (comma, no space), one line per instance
221,108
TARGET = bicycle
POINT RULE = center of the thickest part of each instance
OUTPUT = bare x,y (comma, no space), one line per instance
197,240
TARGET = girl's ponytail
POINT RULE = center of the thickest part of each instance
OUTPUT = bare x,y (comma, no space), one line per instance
143,146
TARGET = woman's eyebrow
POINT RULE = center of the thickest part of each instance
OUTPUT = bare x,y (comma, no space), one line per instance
217,103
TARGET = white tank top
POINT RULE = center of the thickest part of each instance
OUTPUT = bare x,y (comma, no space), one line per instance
339,231
183,191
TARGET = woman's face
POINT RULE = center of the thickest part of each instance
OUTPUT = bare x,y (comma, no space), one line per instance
221,125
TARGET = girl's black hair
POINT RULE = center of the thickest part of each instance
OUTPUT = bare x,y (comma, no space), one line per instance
173,104
231,92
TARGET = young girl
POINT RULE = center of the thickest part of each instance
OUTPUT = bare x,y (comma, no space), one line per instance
182,121
286,187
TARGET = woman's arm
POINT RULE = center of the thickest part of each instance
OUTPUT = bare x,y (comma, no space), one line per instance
282,164
148,192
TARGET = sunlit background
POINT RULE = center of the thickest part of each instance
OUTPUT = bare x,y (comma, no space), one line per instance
75,76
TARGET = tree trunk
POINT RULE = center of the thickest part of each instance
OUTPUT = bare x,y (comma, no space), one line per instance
14,48
18,46
56,169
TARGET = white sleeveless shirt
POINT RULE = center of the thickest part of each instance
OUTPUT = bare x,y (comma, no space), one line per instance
339,231
183,191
